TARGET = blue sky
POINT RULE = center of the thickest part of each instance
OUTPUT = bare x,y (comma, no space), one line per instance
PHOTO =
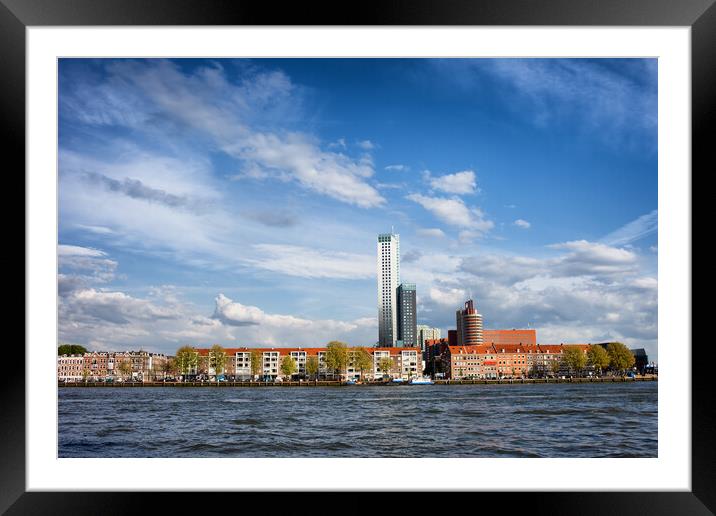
238,201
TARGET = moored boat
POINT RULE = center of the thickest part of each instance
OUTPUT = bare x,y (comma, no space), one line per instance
421,380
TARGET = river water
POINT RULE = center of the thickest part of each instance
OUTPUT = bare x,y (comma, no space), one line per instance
542,420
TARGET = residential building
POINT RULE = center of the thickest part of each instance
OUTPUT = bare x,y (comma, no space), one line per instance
70,368
105,365
407,316
406,362
469,325
490,361
388,273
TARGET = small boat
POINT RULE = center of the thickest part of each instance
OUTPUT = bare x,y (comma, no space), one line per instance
397,380
421,380
351,381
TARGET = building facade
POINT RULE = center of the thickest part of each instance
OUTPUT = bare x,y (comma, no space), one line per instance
469,325
499,337
388,269
406,363
426,333
70,368
407,316
107,365
494,362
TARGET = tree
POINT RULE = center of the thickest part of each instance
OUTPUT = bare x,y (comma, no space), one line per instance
574,358
556,366
256,365
187,359
598,358
71,349
385,364
217,360
536,370
620,358
312,366
362,360
337,357
288,366
169,367
85,374
125,368
156,371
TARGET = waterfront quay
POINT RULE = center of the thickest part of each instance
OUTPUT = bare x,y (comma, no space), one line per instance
333,383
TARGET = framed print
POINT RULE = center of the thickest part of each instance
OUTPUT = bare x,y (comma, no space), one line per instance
214,194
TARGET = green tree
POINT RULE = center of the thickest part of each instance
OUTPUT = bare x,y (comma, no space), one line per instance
362,360
217,360
312,366
620,358
288,366
385,365
598,358
556,366
85,374
186,359
125,368
337,357
256,363
71,349
169,367
574,359
535,370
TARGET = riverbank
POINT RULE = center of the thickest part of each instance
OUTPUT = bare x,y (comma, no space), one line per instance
326,383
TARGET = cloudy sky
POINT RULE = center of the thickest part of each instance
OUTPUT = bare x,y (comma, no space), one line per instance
238,201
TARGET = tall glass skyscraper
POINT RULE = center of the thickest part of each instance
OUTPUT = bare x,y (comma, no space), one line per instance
388,281
407,317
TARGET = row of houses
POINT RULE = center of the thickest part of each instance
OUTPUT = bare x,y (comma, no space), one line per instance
507,354
405,363
102,366
495,361
107,365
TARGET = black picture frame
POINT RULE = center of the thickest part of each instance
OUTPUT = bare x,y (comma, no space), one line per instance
700,15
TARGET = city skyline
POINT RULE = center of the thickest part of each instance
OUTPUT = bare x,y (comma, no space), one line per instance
236,201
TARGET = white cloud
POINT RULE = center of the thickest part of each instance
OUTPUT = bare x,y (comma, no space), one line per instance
634,230
522,224
457,183
74,250
431,232
453,211
397,168
85,264
451,297
594,258
244,120
296,156
366,145
313,263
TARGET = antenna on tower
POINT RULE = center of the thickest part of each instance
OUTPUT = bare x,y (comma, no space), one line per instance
392,230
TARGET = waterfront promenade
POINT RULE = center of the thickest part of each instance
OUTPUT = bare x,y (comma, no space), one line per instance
328,383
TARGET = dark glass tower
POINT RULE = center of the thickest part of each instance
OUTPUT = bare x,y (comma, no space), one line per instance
407,316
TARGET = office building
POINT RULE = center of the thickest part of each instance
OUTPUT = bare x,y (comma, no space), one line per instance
388,264
425,332
407,317
469,325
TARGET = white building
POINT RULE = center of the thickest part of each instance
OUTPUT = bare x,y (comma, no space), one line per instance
388,268
70,367
425,332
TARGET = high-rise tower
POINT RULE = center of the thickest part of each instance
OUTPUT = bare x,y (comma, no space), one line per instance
388,281
407,315
469,325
